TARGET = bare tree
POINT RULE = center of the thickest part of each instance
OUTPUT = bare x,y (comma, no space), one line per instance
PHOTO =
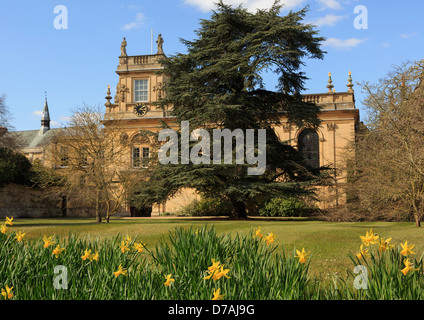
8,139
388,171
94,158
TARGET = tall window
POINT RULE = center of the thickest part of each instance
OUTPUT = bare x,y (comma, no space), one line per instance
141,90
64,156
308,144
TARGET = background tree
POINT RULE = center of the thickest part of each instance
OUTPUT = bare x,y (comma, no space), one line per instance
94,160
388,171
218,84
8,138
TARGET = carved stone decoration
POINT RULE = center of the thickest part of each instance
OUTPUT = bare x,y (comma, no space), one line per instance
159,41
121,90
331,126
123,138
159,89
139,139
286,128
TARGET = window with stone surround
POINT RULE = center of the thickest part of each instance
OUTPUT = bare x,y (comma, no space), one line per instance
308,145
141,90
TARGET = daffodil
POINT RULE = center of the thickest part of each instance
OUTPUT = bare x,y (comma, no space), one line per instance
87,255
48,241
7,294
217,295
95,256
370,238
407,250
270,238
258,233
222,273
124,247
19,236
408,267
168,280
120,271
385,244
3,228
139,247
363,253
217,273
58,251
214,266
302,255
9,221
128,239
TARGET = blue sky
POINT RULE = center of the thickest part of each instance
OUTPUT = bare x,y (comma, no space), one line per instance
75,65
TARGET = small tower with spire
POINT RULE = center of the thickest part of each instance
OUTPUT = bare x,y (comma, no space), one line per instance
45,118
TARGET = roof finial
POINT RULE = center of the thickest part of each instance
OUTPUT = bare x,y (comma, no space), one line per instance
330,83
350,85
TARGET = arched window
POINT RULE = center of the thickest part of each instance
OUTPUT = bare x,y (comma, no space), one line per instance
308,144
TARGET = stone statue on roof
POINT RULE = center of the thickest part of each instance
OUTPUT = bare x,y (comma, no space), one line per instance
159,41
124,47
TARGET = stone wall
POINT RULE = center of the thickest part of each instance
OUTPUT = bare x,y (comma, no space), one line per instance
25,202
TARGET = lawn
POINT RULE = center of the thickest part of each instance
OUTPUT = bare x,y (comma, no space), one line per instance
328,242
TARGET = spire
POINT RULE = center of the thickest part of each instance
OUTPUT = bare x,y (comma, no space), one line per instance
330,83
350,85
45,118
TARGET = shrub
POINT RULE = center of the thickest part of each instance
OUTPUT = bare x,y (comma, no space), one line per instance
283,207
207,207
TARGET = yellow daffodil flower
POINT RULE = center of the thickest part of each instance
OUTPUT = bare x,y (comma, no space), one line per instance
128,239
370,238
120,271
168,280
385,244
124,247
139,247
214,266
362,253
95,256
270,238
19,236
3,228
258,233
48,241
7,294
9,221
87,255
222,273
302,255
217,295
57,251
408,267
407,250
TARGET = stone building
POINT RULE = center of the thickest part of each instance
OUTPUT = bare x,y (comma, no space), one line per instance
139,87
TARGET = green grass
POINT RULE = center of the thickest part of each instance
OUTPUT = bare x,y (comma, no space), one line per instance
329,243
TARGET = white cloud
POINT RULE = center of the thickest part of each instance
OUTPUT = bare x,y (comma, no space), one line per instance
55,123
251,5
330,4
37,113
137,23
328,20
409,35
342,43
